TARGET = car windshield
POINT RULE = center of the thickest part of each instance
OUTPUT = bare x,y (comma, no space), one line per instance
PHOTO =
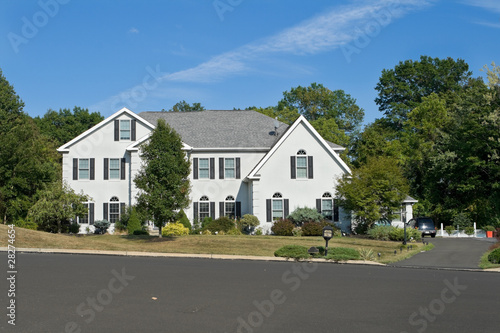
426,225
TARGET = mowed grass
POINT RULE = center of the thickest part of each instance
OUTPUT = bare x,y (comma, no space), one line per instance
198,244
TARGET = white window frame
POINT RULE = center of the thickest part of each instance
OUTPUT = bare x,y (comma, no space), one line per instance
231,213
277,198
233,168
301,156
85,218
204,202
125,134
80,169
327,198
114,216
200,169
110,169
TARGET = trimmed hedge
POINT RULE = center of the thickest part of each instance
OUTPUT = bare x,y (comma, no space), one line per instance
223,223
292,251
342,254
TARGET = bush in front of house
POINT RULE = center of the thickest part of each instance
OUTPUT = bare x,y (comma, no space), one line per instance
494,256
223,223
248,223
183,219
303,215
74,228
397,234
101,226
380,232
292,251
282,227
316,228
140,232
342,254
174,229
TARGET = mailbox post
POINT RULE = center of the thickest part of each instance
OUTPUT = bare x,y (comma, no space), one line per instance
327,235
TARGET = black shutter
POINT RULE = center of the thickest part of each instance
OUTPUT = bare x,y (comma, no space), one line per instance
212,168
132,134
221,168
117,130
269,212
122,169
335,210
75,169
293,170
310,173
195,211
212,210
91,213
238,209
92,168
106,168
318,205
105,211
221,208
286,212
238,174
195,168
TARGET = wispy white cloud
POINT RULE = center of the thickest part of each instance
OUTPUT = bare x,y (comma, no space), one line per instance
325,32
490,5
133,30
488,24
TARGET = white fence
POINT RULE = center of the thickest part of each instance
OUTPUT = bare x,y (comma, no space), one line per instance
479,233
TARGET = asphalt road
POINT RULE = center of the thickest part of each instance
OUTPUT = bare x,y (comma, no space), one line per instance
463,253
87,293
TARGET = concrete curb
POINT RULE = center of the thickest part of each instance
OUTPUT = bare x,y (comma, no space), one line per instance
183,255
216,256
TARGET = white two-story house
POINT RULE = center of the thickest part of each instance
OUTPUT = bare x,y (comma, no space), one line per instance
242,162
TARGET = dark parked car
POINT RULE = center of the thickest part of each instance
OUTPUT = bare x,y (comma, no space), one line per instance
425,225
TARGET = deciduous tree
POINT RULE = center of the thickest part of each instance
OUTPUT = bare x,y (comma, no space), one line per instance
164,176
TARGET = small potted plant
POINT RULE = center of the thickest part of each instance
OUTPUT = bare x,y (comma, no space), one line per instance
489,230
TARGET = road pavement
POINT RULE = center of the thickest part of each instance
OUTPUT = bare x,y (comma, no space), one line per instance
90,293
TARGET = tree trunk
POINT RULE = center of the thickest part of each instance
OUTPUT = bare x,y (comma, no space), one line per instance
159,231
58,227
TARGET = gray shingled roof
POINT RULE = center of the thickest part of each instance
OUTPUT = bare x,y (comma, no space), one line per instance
221,129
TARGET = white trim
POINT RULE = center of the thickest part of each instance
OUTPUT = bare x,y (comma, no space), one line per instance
65,147
253,174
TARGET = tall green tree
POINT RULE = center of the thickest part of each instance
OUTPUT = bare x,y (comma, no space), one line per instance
184,106
316,101
57,206
375,190
11,105
401,89
28,160
28,163
163,180
64,125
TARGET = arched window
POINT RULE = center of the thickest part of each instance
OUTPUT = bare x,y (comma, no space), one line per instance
230,207
204,210
114,209
278,209
301,164
327,206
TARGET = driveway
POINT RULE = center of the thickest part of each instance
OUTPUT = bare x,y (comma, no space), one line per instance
462,253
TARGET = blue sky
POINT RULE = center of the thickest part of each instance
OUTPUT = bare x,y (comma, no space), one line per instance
148,55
